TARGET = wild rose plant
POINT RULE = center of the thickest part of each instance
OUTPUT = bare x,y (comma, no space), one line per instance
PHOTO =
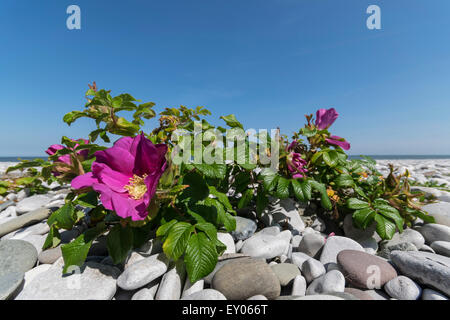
133,190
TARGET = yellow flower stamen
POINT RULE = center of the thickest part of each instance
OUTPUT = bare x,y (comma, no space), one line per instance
136,187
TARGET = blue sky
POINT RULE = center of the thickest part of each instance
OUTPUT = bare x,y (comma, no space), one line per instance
269,62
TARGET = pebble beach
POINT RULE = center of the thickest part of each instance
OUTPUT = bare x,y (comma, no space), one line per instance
291,253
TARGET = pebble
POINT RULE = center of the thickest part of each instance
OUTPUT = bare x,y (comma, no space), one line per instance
244,278
435,232
370,245
429,294
426,248
312,269
172,283
311,244
403,288
16,256
385,252
227,240
333,246
264,246
441,247
205,294
364,270
33,273
298,258
24,220
190,288
245,228
143,272
286,272
409,236
94,282
49,256
37,241
224,259
332,281
311,297
285,212
9,284
32,203
148,292
40,228
354,232
238,245
377,294
299,286
8,212
440,211
426,268
258,297
295,241
360,294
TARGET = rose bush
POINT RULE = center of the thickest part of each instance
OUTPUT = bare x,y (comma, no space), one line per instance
134,190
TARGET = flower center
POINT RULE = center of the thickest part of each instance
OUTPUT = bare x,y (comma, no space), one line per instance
136,187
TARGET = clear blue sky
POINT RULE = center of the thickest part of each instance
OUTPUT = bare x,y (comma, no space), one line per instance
269,62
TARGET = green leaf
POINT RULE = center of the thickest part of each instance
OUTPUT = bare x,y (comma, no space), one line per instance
231,121
363,217
53,238
355,204
316,156
344,180
262,200
198,188
385,228
209,229
302,189
222,197
88,200
64,217
177,239
70,117
331,158
214,171
307,132
201,256
223,217
245,199
321,188
162,230
282,188
270,180
391,213
119,242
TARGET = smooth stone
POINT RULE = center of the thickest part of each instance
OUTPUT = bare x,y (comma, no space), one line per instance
133,257
364,270
441,247
312,269
245,228
40,228
426,268
264,246
295,242
385,252
6,204
377,294
223,260
286,272
33,273
311,297
205,294
190,288
332,281
435,232
318,225
440,211
32,203
258,297
426,248
148,292
403,288
172,283
37,241
16,256
238,245
24,220
22,194
344,295
408,235
94,281
227,240
124,295
270,231
360,294
243,278
334,245
429,294
285,212
8,212
353,232
49,256
311,244
298,258
143,272
299,286
9,284
443,196
370,245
